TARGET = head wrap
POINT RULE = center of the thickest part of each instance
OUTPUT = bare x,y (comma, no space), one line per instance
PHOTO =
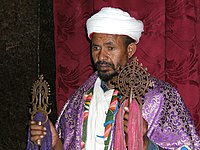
114,21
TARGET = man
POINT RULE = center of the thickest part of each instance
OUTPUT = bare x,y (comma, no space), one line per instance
93,118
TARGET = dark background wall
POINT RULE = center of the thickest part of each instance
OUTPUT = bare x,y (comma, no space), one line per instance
18,65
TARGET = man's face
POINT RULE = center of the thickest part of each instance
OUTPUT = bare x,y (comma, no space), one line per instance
109,53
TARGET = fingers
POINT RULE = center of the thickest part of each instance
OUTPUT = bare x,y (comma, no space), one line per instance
126,109
125,126
126,114
145,125
37,131
54,134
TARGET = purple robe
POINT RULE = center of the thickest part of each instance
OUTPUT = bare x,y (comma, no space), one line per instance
169,122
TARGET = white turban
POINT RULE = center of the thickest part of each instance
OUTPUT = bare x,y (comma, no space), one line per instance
114,21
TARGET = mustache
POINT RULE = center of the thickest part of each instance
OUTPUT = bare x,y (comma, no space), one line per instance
98,63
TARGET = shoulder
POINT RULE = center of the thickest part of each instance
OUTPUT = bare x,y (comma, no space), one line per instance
74,103
162,86
169,94
89,83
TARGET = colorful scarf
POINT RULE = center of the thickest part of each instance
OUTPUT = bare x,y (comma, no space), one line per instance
109,122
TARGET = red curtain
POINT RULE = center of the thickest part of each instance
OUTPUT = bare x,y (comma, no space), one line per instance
169,47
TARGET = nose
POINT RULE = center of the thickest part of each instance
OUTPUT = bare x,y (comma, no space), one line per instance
103,55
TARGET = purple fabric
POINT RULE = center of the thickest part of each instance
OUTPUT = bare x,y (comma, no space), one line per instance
46,141
169,122
69,124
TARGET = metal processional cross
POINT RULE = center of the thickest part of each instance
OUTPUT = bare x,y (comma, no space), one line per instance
40,89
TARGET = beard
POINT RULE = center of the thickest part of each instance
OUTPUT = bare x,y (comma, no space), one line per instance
103,75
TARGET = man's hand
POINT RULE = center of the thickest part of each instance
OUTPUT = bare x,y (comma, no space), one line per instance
145,128
126,114
38,132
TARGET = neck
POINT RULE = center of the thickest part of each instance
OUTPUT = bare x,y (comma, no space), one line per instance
106,86
110,85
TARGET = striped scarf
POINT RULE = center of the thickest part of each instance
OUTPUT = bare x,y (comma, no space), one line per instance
110,118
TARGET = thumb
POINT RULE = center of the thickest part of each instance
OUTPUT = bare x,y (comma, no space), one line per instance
54,134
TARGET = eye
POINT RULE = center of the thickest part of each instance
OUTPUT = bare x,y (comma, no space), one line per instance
95,48
111,48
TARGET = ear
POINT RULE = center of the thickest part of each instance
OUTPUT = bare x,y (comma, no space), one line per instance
131,49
